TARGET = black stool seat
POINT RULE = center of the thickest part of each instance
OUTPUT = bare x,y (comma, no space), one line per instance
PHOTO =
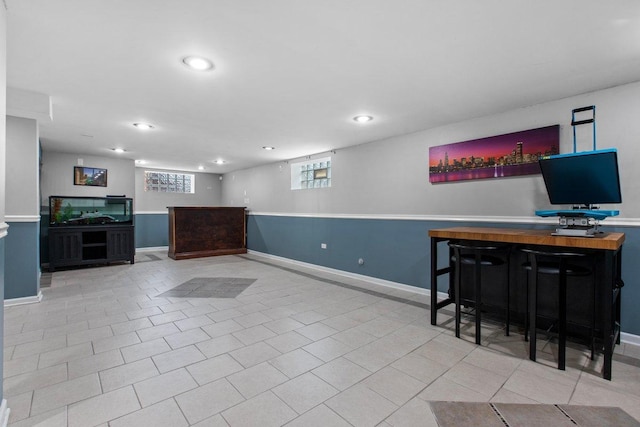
485,260
478,256
553,268
552,261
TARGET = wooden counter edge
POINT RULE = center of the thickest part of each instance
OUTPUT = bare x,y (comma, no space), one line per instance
206,253
604,241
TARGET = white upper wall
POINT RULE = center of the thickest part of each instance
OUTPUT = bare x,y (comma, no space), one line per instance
391,176
57,176
207,193
22,157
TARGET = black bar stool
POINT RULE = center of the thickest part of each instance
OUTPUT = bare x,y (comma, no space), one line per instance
555,262
490,255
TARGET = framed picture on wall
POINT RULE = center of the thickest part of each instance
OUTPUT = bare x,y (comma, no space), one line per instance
508,155
95,177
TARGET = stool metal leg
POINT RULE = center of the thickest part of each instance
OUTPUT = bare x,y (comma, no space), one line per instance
562,327
456,290
533,295
477,257
560,267
508,313
478,296
593,311
526,317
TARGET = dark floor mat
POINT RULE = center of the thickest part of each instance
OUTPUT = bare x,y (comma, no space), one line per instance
210,287
460,414
146,257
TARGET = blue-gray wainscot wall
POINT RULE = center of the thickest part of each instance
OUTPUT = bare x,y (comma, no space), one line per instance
22,260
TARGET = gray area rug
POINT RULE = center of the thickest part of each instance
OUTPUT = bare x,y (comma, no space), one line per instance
210,287
460,414
146,257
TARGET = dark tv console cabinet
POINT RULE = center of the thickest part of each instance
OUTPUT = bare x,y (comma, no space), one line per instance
85,245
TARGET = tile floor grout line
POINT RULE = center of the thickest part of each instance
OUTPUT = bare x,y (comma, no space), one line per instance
575,386
408,400
177,404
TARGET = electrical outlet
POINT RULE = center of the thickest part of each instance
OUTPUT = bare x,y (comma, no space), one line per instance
323,246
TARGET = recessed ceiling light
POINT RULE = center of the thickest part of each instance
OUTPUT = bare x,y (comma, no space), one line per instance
268,148
200,168
363,119
219,162
197,63
118,150
143,126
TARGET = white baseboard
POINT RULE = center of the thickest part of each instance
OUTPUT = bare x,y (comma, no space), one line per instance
152,249
626,338
24,300
4,413
630,339
369,279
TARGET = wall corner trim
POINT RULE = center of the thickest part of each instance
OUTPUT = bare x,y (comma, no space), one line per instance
407,217
24,300
630,339
614,221
22,218
4,413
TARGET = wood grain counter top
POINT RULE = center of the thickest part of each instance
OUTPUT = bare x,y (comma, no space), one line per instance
602,241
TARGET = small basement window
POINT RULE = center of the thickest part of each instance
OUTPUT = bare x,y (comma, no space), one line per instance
311,174
169,182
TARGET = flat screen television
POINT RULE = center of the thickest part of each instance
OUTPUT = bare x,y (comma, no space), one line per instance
582,179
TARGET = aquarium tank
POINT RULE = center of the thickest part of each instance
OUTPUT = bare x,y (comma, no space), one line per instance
67,210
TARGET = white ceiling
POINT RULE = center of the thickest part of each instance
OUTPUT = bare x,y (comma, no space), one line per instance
293,73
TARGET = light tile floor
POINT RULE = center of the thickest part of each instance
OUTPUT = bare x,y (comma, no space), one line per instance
299,347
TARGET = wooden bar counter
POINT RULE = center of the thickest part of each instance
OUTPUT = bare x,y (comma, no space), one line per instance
206,231
604,241
607,246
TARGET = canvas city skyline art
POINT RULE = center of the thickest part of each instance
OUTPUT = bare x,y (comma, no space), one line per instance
511,154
